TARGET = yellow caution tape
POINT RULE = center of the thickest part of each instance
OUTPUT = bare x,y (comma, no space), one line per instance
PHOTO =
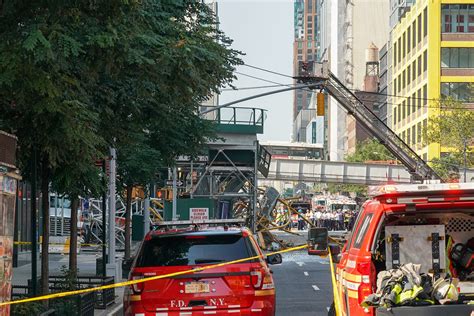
126,283
337,302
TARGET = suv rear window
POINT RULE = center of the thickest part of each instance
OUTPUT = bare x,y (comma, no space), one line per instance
359,237
183,250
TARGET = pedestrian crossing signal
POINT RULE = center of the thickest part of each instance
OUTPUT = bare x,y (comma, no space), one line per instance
320,98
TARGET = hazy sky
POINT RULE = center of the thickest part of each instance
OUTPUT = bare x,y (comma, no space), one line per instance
263,30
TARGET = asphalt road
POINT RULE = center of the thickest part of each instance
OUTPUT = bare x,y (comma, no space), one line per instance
303,285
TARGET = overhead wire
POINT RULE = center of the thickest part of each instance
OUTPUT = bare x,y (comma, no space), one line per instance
355,90
253,88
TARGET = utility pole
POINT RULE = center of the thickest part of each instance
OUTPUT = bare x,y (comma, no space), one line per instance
146,211
104,218
175,189
112,206
34,232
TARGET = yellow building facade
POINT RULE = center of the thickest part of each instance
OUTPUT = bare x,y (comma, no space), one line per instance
432,56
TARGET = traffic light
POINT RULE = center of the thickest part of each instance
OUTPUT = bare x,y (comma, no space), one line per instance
164,194
320,97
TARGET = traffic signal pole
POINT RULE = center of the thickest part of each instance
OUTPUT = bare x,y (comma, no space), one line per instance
302,86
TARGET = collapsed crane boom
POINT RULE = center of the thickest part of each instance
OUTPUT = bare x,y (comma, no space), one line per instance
320,73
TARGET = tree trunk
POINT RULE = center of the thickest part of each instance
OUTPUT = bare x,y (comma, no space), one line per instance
73,237
128,213
45,225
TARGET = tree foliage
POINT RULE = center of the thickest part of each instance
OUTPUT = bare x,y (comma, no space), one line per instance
79,76
368,150
453,129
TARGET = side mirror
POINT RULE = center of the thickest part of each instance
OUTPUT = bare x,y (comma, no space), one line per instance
318,241
274,259
335,253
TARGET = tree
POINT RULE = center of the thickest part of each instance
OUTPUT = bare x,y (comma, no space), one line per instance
453,130
368,150
137,67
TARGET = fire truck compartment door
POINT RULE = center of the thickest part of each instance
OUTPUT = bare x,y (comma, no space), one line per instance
418,244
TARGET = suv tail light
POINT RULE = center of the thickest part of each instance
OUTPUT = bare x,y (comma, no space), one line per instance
256,277
366,269
137,288
261,279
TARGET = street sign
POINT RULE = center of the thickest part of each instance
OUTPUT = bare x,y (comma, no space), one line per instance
179,183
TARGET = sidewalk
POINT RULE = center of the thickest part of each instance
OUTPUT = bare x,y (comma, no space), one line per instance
86,265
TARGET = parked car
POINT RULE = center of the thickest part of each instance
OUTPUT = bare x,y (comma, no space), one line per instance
245,288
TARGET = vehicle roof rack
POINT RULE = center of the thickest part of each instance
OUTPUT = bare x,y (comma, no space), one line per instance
223,222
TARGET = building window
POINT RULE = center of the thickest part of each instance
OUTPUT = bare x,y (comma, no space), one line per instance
408,39
309,51
399,50
395,115
413,69
310,6
425,61
419,99
425,22
300,57
408,106
413,134
457,57
399,113
425,95
457,18
419,65
408,136
413,105
457,90
399,84
300,45
404,110
403,136
300,51
404,45
395,84
395,53
419,28
418,127
408,75
309,44
313,132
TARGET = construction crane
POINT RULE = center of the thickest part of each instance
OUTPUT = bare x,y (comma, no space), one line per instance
314,73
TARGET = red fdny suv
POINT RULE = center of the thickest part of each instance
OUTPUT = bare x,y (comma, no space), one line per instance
245,288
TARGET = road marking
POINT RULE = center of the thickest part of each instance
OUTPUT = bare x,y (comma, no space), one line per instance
300,263
315,287
306,273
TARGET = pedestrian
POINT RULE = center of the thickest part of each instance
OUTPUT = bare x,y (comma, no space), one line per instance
317,217
340,220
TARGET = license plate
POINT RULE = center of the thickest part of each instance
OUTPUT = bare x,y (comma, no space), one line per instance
196,287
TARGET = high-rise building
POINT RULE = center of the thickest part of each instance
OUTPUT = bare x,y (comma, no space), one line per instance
398,8
304,49
432,57
384,79
345,30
